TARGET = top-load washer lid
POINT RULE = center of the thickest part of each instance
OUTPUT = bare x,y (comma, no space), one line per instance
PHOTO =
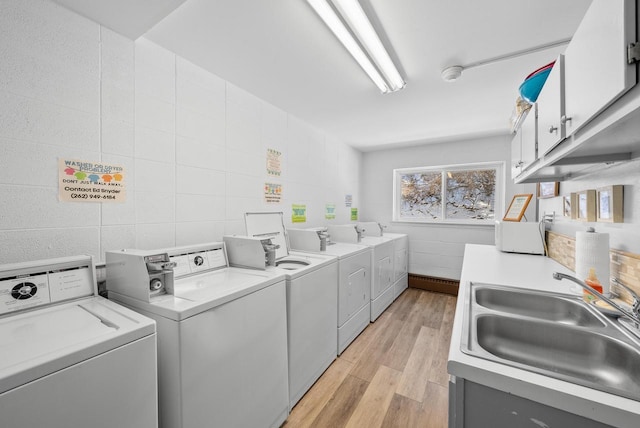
195,294
343,250
42,341
268,225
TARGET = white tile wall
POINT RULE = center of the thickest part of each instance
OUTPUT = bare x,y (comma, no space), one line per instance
192,145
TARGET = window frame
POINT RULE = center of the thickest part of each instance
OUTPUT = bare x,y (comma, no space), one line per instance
498,166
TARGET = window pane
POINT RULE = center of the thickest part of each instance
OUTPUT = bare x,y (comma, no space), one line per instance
471,194
421,195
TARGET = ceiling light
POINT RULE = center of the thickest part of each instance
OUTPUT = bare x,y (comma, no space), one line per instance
374,59
451,74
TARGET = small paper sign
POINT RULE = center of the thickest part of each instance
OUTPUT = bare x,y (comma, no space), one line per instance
83,181
354,214
330,211
272,193
274,166
298,213
348,200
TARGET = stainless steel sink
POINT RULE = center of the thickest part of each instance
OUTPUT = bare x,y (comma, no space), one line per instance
521,328
548,306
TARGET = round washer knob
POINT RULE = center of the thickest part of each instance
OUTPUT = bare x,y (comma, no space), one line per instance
155,284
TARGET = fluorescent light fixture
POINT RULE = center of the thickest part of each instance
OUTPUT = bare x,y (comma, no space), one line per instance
377,64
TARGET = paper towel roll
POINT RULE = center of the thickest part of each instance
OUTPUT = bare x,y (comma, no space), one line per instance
592,251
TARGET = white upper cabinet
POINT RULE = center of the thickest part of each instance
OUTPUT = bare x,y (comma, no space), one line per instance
598,119
524,143
529,130
551,105
596,68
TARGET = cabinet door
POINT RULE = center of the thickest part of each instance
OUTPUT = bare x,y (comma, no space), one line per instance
529,147
596,68
551,108
516,163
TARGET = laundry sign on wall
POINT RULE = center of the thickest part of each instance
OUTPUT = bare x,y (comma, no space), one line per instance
330,211
85,181
274,164
298,213
272,193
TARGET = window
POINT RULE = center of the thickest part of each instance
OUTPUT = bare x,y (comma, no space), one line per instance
468,193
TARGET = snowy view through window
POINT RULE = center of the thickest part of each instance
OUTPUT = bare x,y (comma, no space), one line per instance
469,195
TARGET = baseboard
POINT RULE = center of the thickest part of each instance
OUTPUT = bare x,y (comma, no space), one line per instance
432,283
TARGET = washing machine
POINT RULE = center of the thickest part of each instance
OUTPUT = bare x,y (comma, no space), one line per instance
222,334
354,279
312,297
400,254
382,255
68,357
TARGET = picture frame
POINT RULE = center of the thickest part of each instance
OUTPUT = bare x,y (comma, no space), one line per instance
566,206
549,189
517,207
574,206
586,205
610,204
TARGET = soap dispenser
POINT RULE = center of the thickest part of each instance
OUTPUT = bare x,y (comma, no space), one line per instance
593,282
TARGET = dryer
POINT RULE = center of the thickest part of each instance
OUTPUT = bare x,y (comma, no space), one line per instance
354,279
222,334
69,357
400,254
382,291
312,296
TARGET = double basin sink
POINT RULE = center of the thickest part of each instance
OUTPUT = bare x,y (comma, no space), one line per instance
552,334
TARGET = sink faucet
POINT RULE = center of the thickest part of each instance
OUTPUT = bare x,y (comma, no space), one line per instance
635,306
634,315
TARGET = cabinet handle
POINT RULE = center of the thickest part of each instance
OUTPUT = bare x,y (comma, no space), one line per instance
552,129
564,119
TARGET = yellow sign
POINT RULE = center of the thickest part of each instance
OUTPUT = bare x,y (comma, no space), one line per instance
298,213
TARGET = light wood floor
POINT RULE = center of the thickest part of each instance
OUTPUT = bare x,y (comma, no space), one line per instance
393,375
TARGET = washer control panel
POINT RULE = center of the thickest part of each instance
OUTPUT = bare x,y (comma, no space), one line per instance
23,288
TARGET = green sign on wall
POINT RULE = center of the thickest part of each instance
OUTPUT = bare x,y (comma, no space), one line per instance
298,213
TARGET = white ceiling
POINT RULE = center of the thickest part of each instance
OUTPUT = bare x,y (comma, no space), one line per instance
280,51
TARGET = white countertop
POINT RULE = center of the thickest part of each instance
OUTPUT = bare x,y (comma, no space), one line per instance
484,263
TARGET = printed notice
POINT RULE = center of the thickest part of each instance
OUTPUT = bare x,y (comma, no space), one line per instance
298,213
348,200
83,181
272,193
354,214
274,166
330,211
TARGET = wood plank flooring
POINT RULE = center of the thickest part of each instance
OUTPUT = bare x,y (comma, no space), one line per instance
393,375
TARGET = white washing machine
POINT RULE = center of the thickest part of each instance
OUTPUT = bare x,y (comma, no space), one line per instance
354,279
68,357
312,299
382,291
222,334
400,254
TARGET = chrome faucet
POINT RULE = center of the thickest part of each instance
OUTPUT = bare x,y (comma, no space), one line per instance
635,306
634,315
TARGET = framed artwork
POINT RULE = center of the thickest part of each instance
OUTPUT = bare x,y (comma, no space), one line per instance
549,189
609,204
517,207
566,206
586,205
